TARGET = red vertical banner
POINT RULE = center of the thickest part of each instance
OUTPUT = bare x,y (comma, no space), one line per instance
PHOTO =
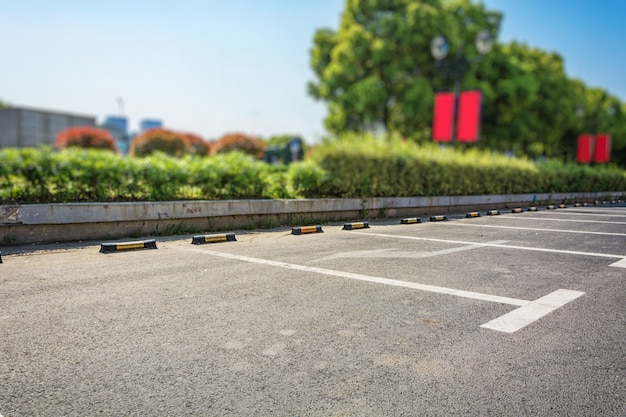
585,148
468,121
602,153
443,117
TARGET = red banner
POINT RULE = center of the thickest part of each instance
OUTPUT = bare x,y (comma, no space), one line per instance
468,122
602,153
585,148
443,117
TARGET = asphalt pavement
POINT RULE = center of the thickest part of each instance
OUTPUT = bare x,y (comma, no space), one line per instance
516,314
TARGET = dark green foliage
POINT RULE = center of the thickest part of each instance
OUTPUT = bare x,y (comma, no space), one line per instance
375,72
361,166
39,175
352,167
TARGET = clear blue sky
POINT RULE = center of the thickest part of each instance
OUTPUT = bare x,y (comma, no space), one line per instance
214,66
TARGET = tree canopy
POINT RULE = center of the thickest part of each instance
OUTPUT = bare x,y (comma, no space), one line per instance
376,74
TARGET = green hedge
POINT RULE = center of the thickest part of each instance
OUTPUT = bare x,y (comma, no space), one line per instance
362,166
352,167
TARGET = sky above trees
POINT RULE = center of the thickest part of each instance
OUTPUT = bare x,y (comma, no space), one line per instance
212,67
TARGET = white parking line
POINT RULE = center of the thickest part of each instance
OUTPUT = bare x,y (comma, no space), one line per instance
526,248
367,278
604,213
558,220
393,253
582,232
619,264
522,318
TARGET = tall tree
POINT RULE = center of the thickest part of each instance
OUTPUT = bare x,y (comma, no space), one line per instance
529,103
376,71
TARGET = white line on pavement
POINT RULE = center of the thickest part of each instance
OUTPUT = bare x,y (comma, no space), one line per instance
619,264
460,242
367,278
598,213
528,311
558,220
392,253
582,232
523,316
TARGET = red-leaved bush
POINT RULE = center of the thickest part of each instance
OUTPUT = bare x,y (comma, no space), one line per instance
85,137
197,145
241,142
169,142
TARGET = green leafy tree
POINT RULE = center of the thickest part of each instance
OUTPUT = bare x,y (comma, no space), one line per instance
529,103
600,112
376,72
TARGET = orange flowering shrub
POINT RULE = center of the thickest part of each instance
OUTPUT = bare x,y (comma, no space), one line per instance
197,145
241,142
85,137
169,142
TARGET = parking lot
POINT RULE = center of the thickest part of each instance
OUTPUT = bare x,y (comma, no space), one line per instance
511,314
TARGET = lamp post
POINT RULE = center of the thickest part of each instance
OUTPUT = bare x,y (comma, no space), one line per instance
439,48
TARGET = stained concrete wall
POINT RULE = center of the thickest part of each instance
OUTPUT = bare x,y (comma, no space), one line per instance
42,223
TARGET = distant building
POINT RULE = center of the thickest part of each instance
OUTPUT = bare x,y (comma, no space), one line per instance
147,124
118,122
22,127
118,127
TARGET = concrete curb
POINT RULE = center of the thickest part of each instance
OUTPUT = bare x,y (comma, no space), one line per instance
45,223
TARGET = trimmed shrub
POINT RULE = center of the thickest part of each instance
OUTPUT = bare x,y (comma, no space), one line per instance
168,142
197,145
239,142
354,167
85,137
307,179
362,166
159,140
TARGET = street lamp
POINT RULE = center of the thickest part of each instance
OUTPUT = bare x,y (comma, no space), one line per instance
444,127
439,48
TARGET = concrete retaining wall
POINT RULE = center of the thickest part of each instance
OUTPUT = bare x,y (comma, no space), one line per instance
44,223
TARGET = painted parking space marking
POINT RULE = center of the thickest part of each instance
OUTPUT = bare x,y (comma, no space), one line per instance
604,213
619,264
533,311
495,245
392,253
560,220
582,232
537,309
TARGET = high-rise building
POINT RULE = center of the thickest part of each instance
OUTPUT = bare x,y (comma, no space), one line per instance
147,124
118,127
119,122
